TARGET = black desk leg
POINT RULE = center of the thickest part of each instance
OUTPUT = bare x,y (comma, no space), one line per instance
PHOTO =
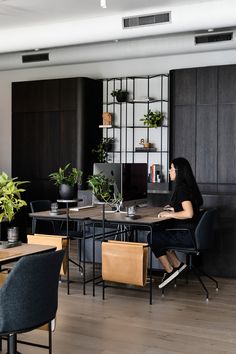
68,268
150,267
94,259
84,272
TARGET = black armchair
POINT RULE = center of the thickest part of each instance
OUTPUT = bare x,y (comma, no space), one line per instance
29,296
203,241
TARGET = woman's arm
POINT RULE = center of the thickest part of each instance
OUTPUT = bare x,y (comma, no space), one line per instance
186,213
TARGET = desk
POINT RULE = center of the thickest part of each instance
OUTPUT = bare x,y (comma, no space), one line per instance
147,218
13,254
65,215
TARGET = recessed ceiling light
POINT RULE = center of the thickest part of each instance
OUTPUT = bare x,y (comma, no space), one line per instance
103,4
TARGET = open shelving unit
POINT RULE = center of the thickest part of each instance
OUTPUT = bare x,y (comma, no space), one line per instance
144,93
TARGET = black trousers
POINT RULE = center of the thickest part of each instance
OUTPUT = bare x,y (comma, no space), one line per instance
163,240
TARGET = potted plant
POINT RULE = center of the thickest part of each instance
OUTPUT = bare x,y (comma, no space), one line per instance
153,119
10,202
103,148
67,178
102,187
121,95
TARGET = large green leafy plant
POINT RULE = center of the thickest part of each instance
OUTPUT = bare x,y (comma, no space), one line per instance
66,175
10,196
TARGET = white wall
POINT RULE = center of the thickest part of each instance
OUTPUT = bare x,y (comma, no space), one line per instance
143,66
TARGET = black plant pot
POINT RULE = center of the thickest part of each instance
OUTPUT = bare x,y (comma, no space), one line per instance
122,96
67,192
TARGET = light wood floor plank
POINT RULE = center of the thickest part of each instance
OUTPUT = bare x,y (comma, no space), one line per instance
180,323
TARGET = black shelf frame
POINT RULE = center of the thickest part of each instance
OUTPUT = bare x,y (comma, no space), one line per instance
120,129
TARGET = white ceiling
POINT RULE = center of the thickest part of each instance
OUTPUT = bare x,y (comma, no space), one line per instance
24,13
30,24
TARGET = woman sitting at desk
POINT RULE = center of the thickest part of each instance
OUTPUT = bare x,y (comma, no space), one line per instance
183,212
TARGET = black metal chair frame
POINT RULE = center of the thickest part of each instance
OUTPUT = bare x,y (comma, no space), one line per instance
200,245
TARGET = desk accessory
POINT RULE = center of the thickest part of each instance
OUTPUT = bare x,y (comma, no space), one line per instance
6,244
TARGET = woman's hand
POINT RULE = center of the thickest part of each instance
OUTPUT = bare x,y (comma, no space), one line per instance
165,215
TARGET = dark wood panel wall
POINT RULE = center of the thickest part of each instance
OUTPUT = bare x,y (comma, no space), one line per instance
54,122
203,129
203,124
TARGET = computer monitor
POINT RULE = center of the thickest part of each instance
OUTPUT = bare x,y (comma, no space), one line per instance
130,180
134,183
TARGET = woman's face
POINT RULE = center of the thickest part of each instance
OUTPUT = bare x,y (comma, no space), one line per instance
172,172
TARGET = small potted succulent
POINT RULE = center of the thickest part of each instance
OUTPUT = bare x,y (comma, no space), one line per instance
153,119
121,95
67,178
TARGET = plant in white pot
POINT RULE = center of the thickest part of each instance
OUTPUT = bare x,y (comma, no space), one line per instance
67,178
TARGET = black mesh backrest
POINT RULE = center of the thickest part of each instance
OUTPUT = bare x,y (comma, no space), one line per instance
42,226
29,296
204,233
40,205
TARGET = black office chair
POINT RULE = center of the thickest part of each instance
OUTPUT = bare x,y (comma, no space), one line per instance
29,297
42,226
203,242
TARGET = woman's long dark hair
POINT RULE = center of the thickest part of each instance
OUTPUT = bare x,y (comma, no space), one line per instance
184,176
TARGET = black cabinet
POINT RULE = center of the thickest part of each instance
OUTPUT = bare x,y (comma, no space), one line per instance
54,122
203,124
203,129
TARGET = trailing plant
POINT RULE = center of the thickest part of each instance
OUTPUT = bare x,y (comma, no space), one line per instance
103,188
66,175
153,119
103,148
10,196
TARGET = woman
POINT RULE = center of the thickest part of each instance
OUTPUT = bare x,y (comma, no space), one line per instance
183,212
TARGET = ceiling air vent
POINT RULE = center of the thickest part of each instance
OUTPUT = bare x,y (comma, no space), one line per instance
146,20
31,58
216,37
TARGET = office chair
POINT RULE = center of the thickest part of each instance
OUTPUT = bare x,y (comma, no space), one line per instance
60,242
42,226
29,297
203,241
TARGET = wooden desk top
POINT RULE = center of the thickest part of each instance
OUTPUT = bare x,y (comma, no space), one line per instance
8,255
147,215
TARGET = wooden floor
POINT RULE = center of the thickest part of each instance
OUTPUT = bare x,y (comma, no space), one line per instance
181,322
